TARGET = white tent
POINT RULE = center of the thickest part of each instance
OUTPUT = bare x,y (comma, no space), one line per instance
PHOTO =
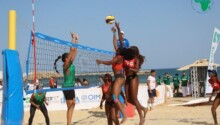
198,63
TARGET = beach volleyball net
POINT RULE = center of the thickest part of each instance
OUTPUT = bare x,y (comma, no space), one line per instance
40,62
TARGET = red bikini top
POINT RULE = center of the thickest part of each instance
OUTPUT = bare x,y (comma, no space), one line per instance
214,83
105,88
118,66
129,63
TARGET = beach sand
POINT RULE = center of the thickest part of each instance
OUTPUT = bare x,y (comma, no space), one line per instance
161,115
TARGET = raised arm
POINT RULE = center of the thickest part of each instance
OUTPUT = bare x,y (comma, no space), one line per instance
75,38
72,53
113,61
114,38
119,34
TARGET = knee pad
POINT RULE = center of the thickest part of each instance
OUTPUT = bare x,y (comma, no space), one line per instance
115,99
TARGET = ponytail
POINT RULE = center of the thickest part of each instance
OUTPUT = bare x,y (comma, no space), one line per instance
55,63
141,60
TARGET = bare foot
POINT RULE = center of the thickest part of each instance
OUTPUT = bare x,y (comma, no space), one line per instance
142,121
124,120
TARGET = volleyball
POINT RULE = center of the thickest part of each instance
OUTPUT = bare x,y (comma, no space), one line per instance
110,19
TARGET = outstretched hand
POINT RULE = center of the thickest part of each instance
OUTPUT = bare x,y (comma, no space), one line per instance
74,36
113,29
117,25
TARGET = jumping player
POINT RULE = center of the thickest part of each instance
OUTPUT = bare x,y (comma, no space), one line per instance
132,63
69,77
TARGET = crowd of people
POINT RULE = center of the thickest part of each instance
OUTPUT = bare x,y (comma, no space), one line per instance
183,81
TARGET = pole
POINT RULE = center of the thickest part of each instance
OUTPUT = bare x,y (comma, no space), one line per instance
12,30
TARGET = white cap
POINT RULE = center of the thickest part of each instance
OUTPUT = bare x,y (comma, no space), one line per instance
122,32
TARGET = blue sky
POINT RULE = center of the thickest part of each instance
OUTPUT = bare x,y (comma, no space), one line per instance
169,34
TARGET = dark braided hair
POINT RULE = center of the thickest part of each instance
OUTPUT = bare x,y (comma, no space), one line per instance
63,57
128,54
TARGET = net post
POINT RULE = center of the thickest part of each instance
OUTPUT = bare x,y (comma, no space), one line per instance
12,30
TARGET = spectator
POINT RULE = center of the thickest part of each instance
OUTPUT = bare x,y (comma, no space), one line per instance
158,80
26,84
85,82
166,80
53,82
78,82
190,85
184,80
100,80
151,83
176,83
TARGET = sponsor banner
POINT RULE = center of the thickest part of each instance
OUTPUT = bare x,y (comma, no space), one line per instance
87,98
214,46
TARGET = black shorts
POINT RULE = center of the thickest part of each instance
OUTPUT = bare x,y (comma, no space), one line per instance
119,76
69,94
129,78
110,103
153,93
176,87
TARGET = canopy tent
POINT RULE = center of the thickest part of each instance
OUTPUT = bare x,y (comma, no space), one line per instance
198,63
198,76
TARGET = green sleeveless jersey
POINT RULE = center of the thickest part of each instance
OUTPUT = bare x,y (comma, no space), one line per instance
69,77
39,99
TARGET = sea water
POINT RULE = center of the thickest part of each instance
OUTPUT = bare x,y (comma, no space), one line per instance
93,79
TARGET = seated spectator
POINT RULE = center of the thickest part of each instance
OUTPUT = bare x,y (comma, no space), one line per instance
78,82
100,81
53,83
85,82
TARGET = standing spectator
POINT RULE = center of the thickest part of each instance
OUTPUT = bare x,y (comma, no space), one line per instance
176,83
166,80
190,85
26,84
158,80
184,80
151,83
